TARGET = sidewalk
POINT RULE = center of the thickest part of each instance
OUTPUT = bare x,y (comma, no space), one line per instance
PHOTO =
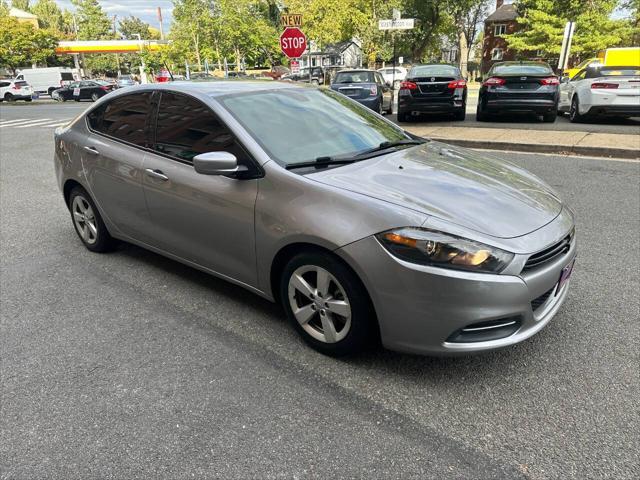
542,141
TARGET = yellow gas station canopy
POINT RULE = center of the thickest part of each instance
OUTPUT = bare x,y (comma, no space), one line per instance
109,46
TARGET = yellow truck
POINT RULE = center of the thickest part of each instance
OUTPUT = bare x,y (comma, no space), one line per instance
620,57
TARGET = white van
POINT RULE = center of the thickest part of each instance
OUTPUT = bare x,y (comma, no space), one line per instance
48,79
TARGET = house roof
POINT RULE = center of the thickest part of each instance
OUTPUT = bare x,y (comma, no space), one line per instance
505,13
336,48
16,12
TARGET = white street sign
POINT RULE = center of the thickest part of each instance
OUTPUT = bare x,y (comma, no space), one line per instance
401,24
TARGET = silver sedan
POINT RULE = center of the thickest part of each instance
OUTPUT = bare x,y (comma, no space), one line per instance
363,232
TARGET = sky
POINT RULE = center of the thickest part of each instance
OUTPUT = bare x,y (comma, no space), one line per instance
144,9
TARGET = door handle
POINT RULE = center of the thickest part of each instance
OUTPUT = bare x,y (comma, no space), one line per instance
156,174
92,150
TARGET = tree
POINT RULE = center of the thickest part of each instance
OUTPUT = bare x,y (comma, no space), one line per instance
22,44
20,4
93,23
131,27
49,15
433,21
542,25
467,15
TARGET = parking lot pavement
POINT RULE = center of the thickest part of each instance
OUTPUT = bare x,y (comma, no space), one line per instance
129,365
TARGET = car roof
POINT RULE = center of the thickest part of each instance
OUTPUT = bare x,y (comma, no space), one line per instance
217,88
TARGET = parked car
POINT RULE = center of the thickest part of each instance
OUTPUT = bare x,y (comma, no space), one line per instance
519,87
391,78
366,87
276,72
432,89
600,90
11,90
125,81
84,90
234,74
317,76
361,230
47,79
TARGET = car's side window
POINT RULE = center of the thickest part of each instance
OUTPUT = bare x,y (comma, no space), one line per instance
579,76
4,84
185,127
124,118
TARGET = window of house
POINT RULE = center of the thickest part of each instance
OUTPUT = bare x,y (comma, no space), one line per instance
499,29
497,54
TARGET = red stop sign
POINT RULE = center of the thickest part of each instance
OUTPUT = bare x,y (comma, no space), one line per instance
293,42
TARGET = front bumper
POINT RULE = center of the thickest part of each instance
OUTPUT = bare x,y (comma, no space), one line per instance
421,309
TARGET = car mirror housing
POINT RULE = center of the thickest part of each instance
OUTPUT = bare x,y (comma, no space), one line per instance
564,79
216,163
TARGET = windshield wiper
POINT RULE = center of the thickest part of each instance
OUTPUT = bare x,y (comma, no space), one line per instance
322,162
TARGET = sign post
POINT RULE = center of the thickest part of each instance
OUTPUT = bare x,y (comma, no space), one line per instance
395,23
566,46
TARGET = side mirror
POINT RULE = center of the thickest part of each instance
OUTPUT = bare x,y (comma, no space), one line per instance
216,163
564,79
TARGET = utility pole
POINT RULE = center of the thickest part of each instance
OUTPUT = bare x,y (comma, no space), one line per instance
143,73
160,22
115,34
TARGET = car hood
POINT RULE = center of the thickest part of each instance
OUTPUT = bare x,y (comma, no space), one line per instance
457,185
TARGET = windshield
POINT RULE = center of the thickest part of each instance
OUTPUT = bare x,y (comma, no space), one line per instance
66,76
354,77
299,125
434,71
521,70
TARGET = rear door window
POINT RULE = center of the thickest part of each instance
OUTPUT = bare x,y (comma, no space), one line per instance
123,118
185,127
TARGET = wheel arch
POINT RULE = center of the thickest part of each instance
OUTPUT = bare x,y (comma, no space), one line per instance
68,186
287,252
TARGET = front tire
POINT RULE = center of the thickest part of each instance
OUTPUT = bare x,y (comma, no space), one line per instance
88,222
95,97
327,304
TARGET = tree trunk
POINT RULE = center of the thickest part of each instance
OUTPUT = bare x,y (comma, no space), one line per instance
463,52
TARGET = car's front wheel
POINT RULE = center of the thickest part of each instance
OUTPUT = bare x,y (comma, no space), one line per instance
95,97
327,304
88,222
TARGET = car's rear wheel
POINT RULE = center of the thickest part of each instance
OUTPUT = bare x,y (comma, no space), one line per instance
8,97
481,115
88,222
403,117
461,114
574,113
550,117
327,304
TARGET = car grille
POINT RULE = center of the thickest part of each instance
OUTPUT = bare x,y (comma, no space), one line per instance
549,254
536,303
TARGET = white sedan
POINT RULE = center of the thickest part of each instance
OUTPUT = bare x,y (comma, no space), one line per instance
393,78
601,90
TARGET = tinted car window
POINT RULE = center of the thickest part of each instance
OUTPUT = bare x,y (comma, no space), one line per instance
355,77
613,72
123,118
521,70
21,84
434,71
186,127
4,84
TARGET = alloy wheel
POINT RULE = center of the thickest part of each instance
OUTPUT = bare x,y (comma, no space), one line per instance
84,220
319,304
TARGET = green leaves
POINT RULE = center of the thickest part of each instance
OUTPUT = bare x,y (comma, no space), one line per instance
22,44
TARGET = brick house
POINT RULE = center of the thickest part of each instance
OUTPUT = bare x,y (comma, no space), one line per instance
494,46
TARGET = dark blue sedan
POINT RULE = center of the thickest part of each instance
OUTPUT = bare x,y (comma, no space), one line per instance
366,87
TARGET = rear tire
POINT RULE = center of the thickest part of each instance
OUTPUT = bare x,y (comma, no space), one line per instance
461,114
574,113
88,223
403,117
481,115
334,316
8,97
550,117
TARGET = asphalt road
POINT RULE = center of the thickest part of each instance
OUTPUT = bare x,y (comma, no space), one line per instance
130,365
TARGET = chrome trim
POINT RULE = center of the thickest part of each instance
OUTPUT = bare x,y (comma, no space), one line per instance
500,325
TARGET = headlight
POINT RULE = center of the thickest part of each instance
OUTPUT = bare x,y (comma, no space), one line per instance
437,249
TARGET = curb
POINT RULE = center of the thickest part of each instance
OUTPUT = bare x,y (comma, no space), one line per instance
610,152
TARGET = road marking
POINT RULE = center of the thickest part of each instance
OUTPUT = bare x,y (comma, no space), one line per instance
55,124
37,123
11,122
28,122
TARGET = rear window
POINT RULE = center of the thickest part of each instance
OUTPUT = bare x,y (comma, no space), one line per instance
521,70
20,84
616,72
434,71
66,76
355,77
